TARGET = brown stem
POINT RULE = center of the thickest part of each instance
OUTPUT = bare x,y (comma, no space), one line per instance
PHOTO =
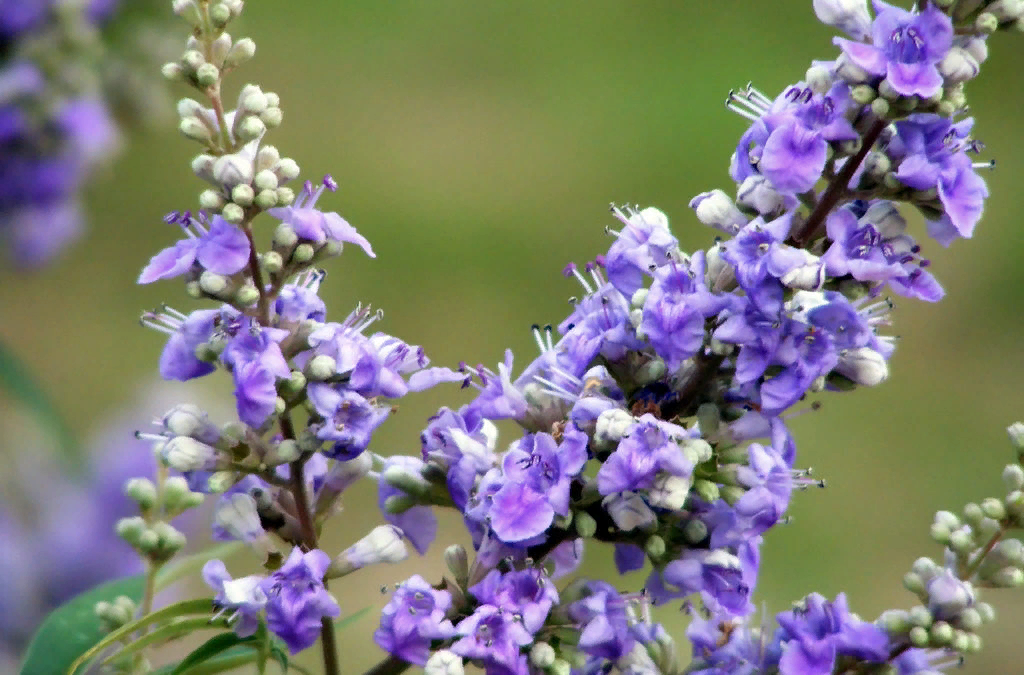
390,665
263,304
969,571
836,188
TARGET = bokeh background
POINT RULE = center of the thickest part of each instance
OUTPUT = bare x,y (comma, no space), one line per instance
478,145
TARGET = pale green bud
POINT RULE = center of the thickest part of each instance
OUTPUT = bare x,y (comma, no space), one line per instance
232,170
1013,476
265,180
695,531
321,367
192,59
913,583
242,195
399,504
147,541
457,560
176,493
141,491
207,75
894,621
970,619
303,253
233,213
287,169
941,634
272,261
285,196
193,127
863,94
211,200
240,52
586,526
272,117
253,102
880,107
654,547
706,490
267,157
918,636
295,383
192,290
285,237
986,23
273,100
172,71
542,655
212,283
731,494
973,513
280,405
202,166
993,508
1008,577
187,10
266,199
246,295
1016,434
189,107
171,539
251,128
220,14
961,541
986,611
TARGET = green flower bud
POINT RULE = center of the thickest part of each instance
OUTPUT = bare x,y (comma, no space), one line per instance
176,493
961,641
986,23
147,541
731,494
287,169
272,117
207,75
240,52
920,616
1016,433
211,200
280,406
993,508
947,518
939,533
171,539
706,490
287,451
192,60
303,253
1013,476
285,237
695,531
586,526
272,261
894,621
295,383
880,107
457,560
961,541
709,419
986,611
141,491
246,296
273,100
267,157
863,94
242,195
941,634
212,283
542,655
974,645
220,15
193,127
266,199
399,504
913,583
970,619
285,196
918,636
202,166
973,513
233,213
253,101
265,180
220,481
251,128
1008,577
654,547
1015,506
192,290
321,367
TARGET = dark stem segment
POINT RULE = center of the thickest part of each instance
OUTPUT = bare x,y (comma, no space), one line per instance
328,645
262,305
391,665
837,188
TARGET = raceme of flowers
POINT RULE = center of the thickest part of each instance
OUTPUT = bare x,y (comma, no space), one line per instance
653,418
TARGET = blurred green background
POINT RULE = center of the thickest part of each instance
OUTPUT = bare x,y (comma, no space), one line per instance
478,145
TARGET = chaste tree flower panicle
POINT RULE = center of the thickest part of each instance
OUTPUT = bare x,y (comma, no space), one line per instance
653,424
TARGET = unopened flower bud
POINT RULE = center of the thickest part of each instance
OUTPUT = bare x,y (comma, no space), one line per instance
1008,577
585,524
863,94
246,296
849,16
920,616
207,75
141,491
184,453
542,655
973,513
993,508
948,596
758,193
265,180
1013,476
178,497
399,504
1016,433
285,237
303,253
714,208
211,200
253,101
240,52
193,127
233,213
272,261
272,117
172,71
894,621
706,490
231,170
219,48
864,366
629,511
384,544
213,284
697,450
266,199
202,166
457,560
251,128
220,15
654,547
695,531
958,66
913,583
941,634
287,169
880,109
444,662
285,196
242,195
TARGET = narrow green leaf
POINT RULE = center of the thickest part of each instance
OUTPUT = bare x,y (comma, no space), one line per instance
171,631
186,566
197,606
16,380
231,658
208,650
73,628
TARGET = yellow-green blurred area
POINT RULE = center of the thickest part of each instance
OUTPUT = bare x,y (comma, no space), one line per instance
478,146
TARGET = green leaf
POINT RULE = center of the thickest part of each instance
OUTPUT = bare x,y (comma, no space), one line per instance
171,631
197,606
73,628
183,567
16,380
213,647
230,659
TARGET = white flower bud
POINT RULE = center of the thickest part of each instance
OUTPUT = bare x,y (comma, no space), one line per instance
184,453
207,75
819,78
232,170
958,66
211,200
232,213
285,196
629,511
251,128
864,366
265,180
611,426
202,166
220,14
287,169
272,117
242,195
717,210
758,193
849,16
266,199
212,283
669,492
193,127
384,544
240,52
444,662
267,158
219,49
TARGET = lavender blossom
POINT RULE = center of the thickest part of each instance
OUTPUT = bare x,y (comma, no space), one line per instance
413,619
297,599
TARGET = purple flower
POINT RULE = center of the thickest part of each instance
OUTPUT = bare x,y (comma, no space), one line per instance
528,593
905,48
724,646
643,243
298,301
495,637
178,360
649,447
536,474
316,226
675,310
461,443
724,580
297,599
243,598
601,616
412,619
869,244
815,635
351,423
222,249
